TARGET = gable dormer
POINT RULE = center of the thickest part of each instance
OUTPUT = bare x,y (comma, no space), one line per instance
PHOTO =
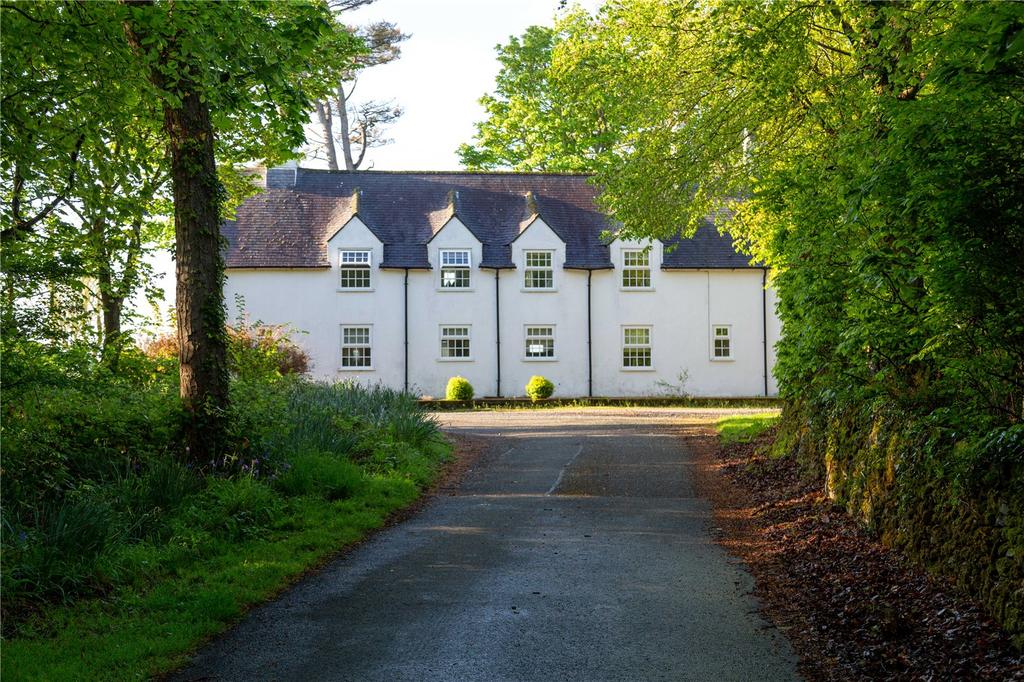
455,254
355,253
539,255
637,263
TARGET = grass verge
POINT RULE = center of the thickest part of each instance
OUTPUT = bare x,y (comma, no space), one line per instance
744,428
151,627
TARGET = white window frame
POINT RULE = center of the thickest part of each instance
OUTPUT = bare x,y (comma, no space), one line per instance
528,269
442,337
526,342
355,265
625,346
636,268
368,345
726,337
468,267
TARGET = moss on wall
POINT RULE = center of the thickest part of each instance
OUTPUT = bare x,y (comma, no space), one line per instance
961,520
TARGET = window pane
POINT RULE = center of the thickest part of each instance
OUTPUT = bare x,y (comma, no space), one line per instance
455,278
356,335
355,278
636,258
355,347
540,342
355,357
539,279
540,348
454,342
636,357
455,258
355,257
538,259
636,336
454,348
636,277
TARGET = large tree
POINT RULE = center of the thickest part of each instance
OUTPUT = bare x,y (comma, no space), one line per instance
536,121
870,153
82,81
359,126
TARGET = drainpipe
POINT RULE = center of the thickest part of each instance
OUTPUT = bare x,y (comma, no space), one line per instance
590,349
764,325
405,308
497,329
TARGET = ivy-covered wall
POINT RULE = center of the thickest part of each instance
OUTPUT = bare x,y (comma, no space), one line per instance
955,507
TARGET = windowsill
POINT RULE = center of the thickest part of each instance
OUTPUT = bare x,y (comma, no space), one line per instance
527,290
355,369
636,288
352,290
456,290
540,359
636,369
455,359
723,359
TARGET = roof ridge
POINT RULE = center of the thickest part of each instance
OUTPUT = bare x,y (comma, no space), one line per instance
328,171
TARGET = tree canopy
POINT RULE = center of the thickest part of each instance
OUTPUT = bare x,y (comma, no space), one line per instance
870,153
115,114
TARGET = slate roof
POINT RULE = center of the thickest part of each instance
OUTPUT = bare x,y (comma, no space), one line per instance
289,224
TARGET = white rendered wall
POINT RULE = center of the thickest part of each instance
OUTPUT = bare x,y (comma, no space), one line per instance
564,308
681,308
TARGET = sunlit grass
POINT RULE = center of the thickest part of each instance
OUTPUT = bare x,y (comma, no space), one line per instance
744,428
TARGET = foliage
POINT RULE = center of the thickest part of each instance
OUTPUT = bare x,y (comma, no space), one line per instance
539,388
870,154
95,500
458,388
254,350
536,122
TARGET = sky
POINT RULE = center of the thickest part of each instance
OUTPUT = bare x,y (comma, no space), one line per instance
447,64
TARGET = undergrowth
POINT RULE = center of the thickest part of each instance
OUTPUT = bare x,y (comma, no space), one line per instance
119,556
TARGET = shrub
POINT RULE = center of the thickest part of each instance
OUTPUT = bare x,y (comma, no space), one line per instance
539,388
55,556
458,388
331,478
232,509
254,350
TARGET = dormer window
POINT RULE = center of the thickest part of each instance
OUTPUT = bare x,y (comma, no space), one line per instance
455,266
636,269
355,269
539,272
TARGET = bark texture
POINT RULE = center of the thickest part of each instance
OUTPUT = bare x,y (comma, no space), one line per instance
323,112
199,296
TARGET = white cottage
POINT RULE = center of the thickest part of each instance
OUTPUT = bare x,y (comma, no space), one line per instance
410,278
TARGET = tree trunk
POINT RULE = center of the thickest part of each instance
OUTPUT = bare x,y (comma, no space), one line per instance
323,112
199,297
202,340
346,141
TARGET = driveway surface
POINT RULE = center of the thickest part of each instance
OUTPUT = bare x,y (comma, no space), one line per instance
575,549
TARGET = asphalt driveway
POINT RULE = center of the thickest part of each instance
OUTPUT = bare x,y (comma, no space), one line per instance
575,549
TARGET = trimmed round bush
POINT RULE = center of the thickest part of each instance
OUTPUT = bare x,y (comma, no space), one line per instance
458,389
539,388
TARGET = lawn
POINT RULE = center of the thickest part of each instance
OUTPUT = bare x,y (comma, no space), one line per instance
744,428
